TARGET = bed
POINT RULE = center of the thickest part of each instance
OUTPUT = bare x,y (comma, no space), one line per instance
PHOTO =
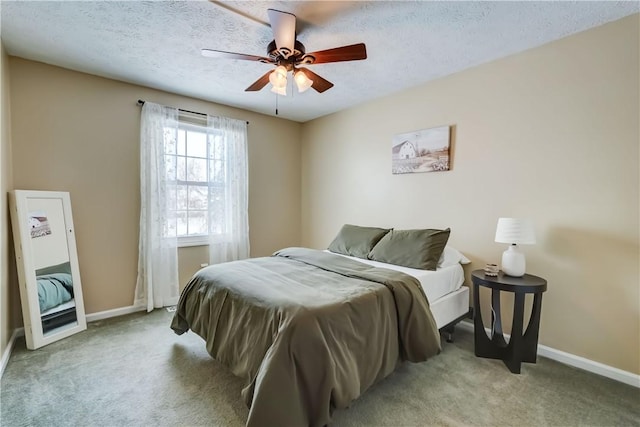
309,331
55,296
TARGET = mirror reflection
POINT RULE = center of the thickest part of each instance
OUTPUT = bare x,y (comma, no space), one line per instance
48,241
55,297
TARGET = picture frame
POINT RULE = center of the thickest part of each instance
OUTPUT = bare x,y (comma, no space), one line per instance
426,150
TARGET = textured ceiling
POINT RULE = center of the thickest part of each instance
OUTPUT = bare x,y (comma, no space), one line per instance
157,44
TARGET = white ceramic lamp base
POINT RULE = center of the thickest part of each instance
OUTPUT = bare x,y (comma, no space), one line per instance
513,262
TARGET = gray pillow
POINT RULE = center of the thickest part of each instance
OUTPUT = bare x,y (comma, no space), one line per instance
357,241
411,248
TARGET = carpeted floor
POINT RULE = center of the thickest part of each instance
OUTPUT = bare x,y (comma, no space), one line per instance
134,371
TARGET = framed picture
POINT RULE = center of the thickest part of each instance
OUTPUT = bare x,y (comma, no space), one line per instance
39,224
421,151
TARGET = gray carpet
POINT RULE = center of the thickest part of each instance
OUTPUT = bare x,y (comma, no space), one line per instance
134,371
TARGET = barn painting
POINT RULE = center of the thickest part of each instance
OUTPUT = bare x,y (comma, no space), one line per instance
421,151
39,224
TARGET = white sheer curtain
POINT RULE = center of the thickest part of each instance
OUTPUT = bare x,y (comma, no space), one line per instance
157,283
228,208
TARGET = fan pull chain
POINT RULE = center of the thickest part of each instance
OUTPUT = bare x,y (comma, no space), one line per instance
276,104
292,74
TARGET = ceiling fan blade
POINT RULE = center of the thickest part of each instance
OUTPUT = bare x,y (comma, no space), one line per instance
283,25
260,83
352,52
319,84
210,53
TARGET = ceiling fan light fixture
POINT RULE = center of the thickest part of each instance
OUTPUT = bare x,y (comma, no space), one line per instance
278,78
287,53
302,81
279,90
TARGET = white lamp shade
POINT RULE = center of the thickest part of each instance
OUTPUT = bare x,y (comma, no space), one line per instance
279,90
302,81
515,230
279,77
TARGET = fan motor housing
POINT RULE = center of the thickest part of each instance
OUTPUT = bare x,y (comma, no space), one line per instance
280,57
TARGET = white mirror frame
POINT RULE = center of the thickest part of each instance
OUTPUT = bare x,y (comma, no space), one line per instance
26,263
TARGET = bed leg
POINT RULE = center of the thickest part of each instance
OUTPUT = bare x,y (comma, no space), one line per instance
449,329
448,332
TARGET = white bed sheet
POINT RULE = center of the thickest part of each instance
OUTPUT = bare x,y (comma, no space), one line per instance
60,307
436,284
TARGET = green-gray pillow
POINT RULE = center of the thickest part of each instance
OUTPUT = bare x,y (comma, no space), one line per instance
411,248
357,241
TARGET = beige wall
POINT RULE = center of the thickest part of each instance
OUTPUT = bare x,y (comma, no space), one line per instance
5,185
80,133
550,134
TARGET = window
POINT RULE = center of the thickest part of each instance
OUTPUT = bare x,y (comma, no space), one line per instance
196,176
193,182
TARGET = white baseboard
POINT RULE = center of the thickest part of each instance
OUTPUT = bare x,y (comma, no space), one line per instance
576,361
7,351
101,315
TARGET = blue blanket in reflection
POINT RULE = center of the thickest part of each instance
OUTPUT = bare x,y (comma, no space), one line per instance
54,289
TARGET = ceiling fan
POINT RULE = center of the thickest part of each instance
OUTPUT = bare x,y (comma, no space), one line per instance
288,54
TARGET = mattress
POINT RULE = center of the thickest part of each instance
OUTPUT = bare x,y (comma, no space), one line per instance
60,307
436,284
451,307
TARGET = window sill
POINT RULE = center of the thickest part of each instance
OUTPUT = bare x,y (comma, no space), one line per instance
185,242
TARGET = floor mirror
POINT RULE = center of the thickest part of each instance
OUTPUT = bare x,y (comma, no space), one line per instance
47,263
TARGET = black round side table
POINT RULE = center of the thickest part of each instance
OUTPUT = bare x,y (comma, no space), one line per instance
521,347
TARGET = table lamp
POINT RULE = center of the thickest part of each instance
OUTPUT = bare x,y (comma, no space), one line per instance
514,231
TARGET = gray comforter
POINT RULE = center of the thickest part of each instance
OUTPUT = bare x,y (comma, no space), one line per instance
307,331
